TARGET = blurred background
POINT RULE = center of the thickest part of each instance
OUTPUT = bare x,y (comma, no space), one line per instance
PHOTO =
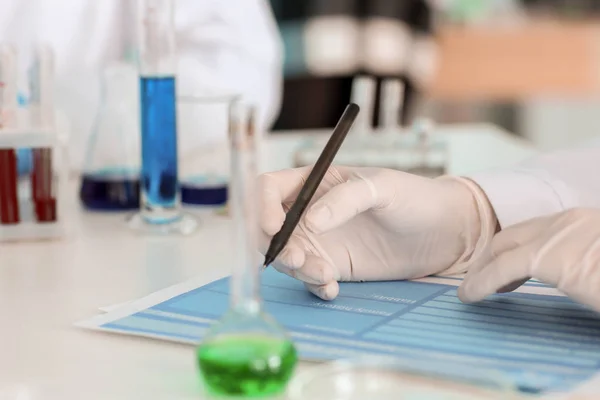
529,66
484,83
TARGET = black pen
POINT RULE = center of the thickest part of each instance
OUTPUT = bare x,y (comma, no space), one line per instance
313,181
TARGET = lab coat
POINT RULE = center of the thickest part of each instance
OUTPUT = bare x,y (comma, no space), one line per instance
546,184
224,47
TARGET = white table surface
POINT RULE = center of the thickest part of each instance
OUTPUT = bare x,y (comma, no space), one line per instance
46,286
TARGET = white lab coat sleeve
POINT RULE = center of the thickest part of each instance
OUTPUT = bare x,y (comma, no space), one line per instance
230,47
545,184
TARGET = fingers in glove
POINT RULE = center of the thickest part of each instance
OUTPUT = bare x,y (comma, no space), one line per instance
275,188
315,271
293,254
509,239
519,235
341,204
326,292
508,267
513,286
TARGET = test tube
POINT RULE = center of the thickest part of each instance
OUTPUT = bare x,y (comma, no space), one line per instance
391,103
9,199
160,197
431,157
8,87
41,80
363,94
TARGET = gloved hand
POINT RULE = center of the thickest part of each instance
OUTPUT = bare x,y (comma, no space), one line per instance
375,224
562,250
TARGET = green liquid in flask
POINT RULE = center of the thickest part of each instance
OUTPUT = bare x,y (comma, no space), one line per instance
250,366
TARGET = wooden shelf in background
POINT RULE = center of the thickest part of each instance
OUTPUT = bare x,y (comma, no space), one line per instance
509,63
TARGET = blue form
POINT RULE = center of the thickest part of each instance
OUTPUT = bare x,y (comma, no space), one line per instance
159,141
538,342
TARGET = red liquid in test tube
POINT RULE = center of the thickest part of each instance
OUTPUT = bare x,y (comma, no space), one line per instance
9,195
41,186
9,199
42,103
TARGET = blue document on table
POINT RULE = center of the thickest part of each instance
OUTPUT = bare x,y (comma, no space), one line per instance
535,336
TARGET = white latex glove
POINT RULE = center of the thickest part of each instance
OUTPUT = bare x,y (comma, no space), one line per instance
562,250
375,224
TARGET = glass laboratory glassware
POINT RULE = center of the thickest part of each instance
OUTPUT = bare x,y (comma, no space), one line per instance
363,92
110,179
417,151
365,146
390,378
204,149
160,211
33,152
361,141
391,103
246,353
42,117
9,201
429,155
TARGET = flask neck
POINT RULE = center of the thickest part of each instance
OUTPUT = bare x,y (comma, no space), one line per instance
119,85
243,205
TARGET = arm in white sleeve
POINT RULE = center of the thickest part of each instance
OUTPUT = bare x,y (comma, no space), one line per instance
230,47
544,185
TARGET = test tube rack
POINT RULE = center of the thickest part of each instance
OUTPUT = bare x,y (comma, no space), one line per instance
31,223
400,150
416,150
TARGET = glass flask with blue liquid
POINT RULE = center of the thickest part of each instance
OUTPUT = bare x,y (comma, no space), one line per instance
204,153
110,180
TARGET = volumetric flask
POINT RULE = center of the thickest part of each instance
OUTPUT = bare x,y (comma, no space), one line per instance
387,378
110,179
246,353
203,149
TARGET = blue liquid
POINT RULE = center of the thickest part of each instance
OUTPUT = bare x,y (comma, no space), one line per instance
110,191
203,196
159,143
24,161
204,190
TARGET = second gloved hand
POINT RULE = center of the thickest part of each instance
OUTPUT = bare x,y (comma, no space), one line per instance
375,224
562,250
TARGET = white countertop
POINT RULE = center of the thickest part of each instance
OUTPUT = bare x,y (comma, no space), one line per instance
46,286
